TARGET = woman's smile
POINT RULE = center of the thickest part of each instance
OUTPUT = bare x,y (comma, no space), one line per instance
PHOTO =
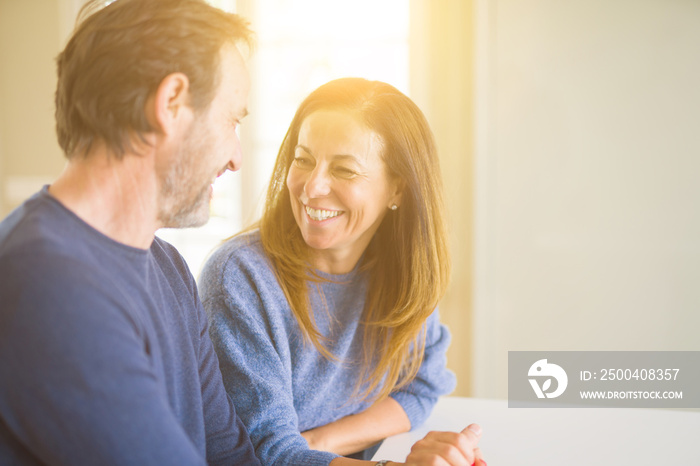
321,215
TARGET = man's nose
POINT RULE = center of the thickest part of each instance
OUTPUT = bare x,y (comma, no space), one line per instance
234,164
236,159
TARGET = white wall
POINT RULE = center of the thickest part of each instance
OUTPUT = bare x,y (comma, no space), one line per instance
31,35
442,81
587,169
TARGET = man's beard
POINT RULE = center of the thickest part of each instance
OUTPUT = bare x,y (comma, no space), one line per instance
180,205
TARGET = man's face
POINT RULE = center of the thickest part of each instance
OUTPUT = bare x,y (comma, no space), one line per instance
208,148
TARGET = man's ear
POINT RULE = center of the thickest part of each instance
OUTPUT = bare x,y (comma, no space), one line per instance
166,107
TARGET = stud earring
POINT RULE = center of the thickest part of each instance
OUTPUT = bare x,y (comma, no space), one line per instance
394,207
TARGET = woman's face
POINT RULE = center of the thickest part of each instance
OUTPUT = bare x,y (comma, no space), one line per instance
339,188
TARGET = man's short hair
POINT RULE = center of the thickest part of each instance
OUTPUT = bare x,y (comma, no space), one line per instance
118,56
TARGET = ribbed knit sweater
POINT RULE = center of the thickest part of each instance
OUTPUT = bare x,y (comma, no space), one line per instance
280,384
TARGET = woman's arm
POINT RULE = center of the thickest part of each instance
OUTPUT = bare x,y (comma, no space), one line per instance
359,431
433,379
398,412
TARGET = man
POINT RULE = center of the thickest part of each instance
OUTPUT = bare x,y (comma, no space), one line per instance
105,356
104,353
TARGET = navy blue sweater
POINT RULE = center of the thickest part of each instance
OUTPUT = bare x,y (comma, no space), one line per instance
105,356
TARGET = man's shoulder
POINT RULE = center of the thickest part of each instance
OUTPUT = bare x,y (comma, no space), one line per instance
169,259
32,224
43,232
50,274
50,258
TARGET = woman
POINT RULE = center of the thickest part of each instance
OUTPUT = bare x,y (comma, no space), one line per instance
324,317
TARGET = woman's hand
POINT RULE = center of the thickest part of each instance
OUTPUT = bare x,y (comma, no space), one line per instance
437,449
448,449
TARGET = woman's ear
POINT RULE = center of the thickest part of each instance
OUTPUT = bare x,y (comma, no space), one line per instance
165,108
395,199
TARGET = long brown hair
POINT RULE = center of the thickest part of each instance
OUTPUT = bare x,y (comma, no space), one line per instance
407,259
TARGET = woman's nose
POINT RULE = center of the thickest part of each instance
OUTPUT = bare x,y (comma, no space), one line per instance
318,184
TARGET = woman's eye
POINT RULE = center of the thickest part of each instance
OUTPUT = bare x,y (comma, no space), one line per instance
302,161
346,172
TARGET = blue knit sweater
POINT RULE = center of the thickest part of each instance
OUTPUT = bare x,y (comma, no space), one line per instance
281,385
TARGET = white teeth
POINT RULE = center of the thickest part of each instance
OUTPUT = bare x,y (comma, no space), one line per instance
319,215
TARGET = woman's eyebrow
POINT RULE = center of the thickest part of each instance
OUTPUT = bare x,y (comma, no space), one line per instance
349,157
304,148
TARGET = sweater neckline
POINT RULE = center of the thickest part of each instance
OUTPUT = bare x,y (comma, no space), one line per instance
339,277
135,252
